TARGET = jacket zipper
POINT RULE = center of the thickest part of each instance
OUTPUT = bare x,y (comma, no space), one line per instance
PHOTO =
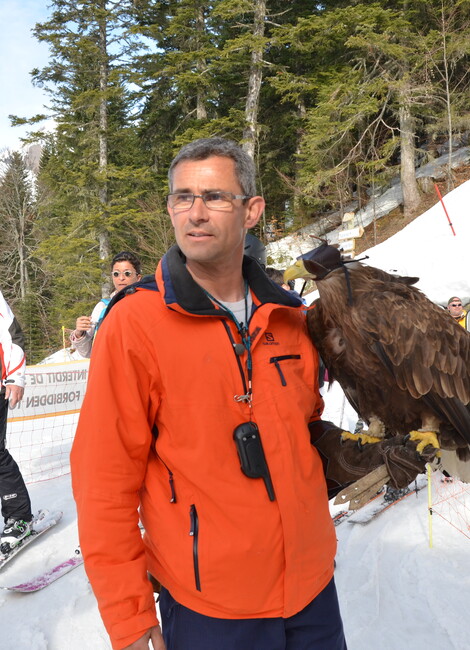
170,478
276,361
237,357
194,533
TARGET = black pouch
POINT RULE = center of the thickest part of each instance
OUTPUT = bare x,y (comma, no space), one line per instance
252,459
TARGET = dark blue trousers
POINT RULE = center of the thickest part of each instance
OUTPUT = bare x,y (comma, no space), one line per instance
317,627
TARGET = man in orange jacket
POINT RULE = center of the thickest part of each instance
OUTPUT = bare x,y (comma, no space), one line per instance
203,417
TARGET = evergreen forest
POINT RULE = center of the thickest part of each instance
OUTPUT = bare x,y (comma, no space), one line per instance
332,99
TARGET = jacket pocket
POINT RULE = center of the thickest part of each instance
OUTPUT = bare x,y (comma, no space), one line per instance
277,362
194,533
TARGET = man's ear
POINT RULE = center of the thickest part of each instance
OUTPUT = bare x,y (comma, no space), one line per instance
256,207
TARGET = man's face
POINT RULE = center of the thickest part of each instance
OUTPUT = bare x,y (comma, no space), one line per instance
455,307
207,236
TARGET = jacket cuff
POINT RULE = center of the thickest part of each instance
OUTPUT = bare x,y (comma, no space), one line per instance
120,633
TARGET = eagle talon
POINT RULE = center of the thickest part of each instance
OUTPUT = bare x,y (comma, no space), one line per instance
362,439
426,438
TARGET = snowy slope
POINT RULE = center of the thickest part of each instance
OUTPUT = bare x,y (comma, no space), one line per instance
425,248
396,593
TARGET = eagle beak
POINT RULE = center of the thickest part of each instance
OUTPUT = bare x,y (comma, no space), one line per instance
297,270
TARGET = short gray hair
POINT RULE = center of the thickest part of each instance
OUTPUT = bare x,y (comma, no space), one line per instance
204,148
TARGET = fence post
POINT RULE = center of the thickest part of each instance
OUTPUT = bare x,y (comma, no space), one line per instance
429,473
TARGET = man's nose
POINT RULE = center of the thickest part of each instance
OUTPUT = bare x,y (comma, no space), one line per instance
198,210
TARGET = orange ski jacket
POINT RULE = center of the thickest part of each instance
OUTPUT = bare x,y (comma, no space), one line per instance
156,433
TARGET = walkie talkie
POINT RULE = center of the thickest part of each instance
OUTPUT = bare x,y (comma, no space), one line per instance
251,453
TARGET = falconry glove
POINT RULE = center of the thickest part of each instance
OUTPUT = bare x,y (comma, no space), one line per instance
348,457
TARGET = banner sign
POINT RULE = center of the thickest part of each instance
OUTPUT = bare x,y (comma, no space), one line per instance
54,389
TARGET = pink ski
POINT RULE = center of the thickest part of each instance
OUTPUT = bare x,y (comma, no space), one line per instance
45,579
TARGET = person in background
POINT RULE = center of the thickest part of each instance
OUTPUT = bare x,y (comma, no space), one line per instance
15,501
458,313
202,417
125,270
278,277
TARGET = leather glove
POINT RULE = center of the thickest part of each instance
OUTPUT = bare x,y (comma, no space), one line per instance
403,461
348,457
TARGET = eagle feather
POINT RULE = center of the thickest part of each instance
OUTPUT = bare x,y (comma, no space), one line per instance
398,356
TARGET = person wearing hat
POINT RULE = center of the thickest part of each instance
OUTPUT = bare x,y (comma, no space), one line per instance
458,313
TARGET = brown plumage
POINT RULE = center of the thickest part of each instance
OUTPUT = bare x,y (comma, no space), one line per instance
401,360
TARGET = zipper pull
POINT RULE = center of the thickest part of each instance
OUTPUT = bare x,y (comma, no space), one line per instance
172,487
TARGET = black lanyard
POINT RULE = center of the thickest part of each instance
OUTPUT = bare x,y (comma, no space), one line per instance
246,341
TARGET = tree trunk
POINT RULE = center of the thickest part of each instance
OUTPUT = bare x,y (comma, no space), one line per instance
22,253
411,195
444,32
201,112
250,132
103,235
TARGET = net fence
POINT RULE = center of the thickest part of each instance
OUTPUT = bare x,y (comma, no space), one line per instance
41,428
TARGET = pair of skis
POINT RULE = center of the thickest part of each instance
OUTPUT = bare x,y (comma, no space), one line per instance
42,522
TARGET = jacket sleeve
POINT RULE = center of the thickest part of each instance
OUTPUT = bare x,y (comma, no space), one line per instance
84,344
12,356
108,461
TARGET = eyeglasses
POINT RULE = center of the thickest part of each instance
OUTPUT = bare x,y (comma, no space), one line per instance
182,201
128,274
455,304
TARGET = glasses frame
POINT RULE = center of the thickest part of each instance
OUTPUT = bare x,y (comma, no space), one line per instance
126,273
232,197
457,304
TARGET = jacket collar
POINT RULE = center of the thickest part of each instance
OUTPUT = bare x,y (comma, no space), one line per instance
180,290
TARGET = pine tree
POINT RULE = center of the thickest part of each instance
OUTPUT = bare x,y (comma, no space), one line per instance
448,57
23,282
367,81
17,213
93,173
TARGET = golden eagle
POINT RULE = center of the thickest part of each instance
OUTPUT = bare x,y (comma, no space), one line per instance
402,361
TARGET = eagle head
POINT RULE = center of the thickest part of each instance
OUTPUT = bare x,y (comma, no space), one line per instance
316,264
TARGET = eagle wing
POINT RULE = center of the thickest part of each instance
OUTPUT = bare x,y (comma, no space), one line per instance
393,335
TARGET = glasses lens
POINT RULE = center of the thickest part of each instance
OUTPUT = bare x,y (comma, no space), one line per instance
217,200
182,201
128,274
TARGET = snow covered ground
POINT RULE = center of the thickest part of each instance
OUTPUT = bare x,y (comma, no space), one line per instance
395,591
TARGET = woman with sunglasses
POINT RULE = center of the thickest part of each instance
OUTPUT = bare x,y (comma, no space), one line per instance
458,313
125,270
